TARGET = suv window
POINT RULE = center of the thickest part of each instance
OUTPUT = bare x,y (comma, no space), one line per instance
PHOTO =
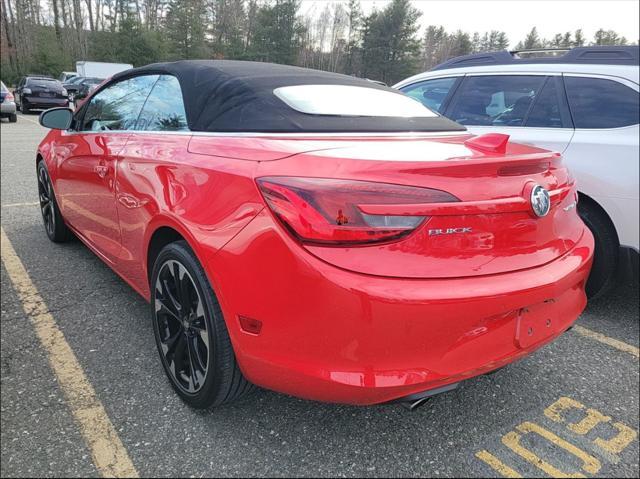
546,112
164,108
601,103
500,100
431,93
117,107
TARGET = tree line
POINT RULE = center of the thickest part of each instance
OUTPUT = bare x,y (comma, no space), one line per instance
48,36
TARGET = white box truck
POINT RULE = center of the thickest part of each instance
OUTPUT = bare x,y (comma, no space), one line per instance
100,69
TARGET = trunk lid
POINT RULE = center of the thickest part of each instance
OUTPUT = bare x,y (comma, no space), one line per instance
492,229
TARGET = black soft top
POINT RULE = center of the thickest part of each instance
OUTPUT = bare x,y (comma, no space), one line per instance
237,96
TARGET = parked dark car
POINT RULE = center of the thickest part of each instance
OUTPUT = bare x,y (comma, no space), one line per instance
86,86
7,104
40,93
72,85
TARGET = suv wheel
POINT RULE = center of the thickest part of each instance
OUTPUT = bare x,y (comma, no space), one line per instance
606,254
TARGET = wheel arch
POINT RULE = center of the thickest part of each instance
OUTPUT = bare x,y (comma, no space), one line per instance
160,238
162,231
587,200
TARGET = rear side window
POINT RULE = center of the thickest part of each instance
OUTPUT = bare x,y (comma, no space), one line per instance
164,108
601,103
347,100
431,93
117,107
500,100
546,111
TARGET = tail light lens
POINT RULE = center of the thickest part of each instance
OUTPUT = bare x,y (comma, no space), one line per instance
326,211
9,96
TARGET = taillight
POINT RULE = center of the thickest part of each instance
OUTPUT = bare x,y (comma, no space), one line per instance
9,96
326,211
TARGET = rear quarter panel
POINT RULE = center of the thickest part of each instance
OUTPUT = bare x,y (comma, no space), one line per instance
207,200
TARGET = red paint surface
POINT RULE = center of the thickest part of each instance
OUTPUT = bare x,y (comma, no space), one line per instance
360,324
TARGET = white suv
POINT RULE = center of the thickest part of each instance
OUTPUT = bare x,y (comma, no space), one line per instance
583,104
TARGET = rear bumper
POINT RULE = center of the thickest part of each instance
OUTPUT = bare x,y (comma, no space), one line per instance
338,336
7,108
45,103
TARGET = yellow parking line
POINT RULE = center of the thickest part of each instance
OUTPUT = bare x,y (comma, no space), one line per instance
109,454
614,343
496,464
13,205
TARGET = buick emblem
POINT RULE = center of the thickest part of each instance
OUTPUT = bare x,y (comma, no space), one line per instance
540,201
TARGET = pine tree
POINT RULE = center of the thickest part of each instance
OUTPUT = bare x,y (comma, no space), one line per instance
532,40
391,49
579,39
354,37
277,33
185,30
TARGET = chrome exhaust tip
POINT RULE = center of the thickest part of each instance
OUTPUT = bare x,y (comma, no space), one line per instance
414,401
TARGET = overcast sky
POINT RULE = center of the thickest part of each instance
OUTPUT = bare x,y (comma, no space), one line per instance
517,17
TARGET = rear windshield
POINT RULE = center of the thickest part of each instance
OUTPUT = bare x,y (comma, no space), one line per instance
43,82
345,100
2,87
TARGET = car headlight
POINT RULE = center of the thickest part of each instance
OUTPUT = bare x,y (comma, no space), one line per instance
27,91
64,92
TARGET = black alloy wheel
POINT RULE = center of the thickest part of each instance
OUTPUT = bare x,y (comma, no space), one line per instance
182,326
190,331
54,225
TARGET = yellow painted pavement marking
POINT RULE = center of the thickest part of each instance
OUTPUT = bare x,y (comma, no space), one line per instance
614,343
13,205
109,454
591,420
496,464
617,444
512,440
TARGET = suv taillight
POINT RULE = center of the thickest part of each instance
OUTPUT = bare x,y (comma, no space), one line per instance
326,211
9,96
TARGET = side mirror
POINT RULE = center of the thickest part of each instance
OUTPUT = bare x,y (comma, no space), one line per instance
57,118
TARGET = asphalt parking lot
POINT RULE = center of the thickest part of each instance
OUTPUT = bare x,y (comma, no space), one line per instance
570,408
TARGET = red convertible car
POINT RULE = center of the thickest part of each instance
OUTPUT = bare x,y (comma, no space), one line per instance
313,233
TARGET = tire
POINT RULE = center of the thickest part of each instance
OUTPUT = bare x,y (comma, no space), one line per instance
186,338
24,108
54,224
13,118
606,254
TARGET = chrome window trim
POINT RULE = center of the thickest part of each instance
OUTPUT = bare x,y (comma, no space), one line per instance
415,134
400,134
